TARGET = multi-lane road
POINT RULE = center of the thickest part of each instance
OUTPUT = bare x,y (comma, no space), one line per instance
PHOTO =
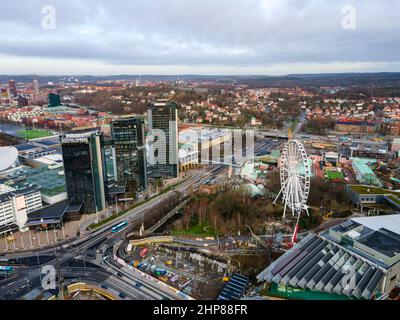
101,269
99,242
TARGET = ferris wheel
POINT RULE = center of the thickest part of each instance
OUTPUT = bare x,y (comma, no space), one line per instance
295,175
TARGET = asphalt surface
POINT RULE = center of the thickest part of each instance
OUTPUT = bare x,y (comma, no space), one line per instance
93,246
94,250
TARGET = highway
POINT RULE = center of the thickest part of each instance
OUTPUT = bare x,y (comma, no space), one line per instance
102,241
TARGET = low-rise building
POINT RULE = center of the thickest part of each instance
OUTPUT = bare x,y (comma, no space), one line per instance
188,158
373,199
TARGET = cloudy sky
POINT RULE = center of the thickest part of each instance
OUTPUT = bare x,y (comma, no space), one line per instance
198,36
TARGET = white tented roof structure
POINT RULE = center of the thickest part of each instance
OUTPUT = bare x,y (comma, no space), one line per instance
8,157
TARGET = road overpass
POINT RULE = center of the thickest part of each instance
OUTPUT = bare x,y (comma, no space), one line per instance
102,238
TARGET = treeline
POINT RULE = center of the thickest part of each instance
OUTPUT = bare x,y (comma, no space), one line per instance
230,211
233,209
318,126
6,140
369,92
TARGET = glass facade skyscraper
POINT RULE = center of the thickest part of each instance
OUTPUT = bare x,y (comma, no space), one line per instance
54,100
163,117
127,135
84,169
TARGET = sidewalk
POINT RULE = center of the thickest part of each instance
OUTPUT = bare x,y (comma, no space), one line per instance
31,240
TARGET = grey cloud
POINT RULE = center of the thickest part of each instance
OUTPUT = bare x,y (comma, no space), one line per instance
203,32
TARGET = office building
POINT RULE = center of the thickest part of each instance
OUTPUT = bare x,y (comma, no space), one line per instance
84,169
36,91
15,205
163,121
12,87
54,100
396,145
205,141
129,154
22,101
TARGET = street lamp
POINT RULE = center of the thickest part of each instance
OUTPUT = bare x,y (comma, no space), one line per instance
13,240
27,283
22,240
47,235
5,240
30,237
62,228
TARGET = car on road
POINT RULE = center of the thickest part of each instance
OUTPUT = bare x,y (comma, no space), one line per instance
122,295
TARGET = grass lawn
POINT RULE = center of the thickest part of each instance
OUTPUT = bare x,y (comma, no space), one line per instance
369,190
34,134
205,230
395,199
333,175
54,191
394,196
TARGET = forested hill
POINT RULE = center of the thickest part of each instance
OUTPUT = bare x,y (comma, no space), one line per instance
296,80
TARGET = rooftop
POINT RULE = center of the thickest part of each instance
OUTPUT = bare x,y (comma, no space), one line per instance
383,241
8,156
370,190
318,264
48,215
235,288
47,143
26,147
346,226
50,182
388,222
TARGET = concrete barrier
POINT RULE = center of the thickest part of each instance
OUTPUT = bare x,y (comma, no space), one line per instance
142,242
87,288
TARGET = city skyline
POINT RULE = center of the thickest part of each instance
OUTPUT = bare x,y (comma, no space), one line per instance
216,151
259,37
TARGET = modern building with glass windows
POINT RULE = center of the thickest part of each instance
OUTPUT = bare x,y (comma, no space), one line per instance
163,121
84,168
54,100
129,154
12,87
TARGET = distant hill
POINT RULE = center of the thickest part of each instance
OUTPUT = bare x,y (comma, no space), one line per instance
302,80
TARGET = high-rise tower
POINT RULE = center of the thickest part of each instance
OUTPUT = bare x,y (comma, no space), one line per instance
127,134
12,87
163,125
84,168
